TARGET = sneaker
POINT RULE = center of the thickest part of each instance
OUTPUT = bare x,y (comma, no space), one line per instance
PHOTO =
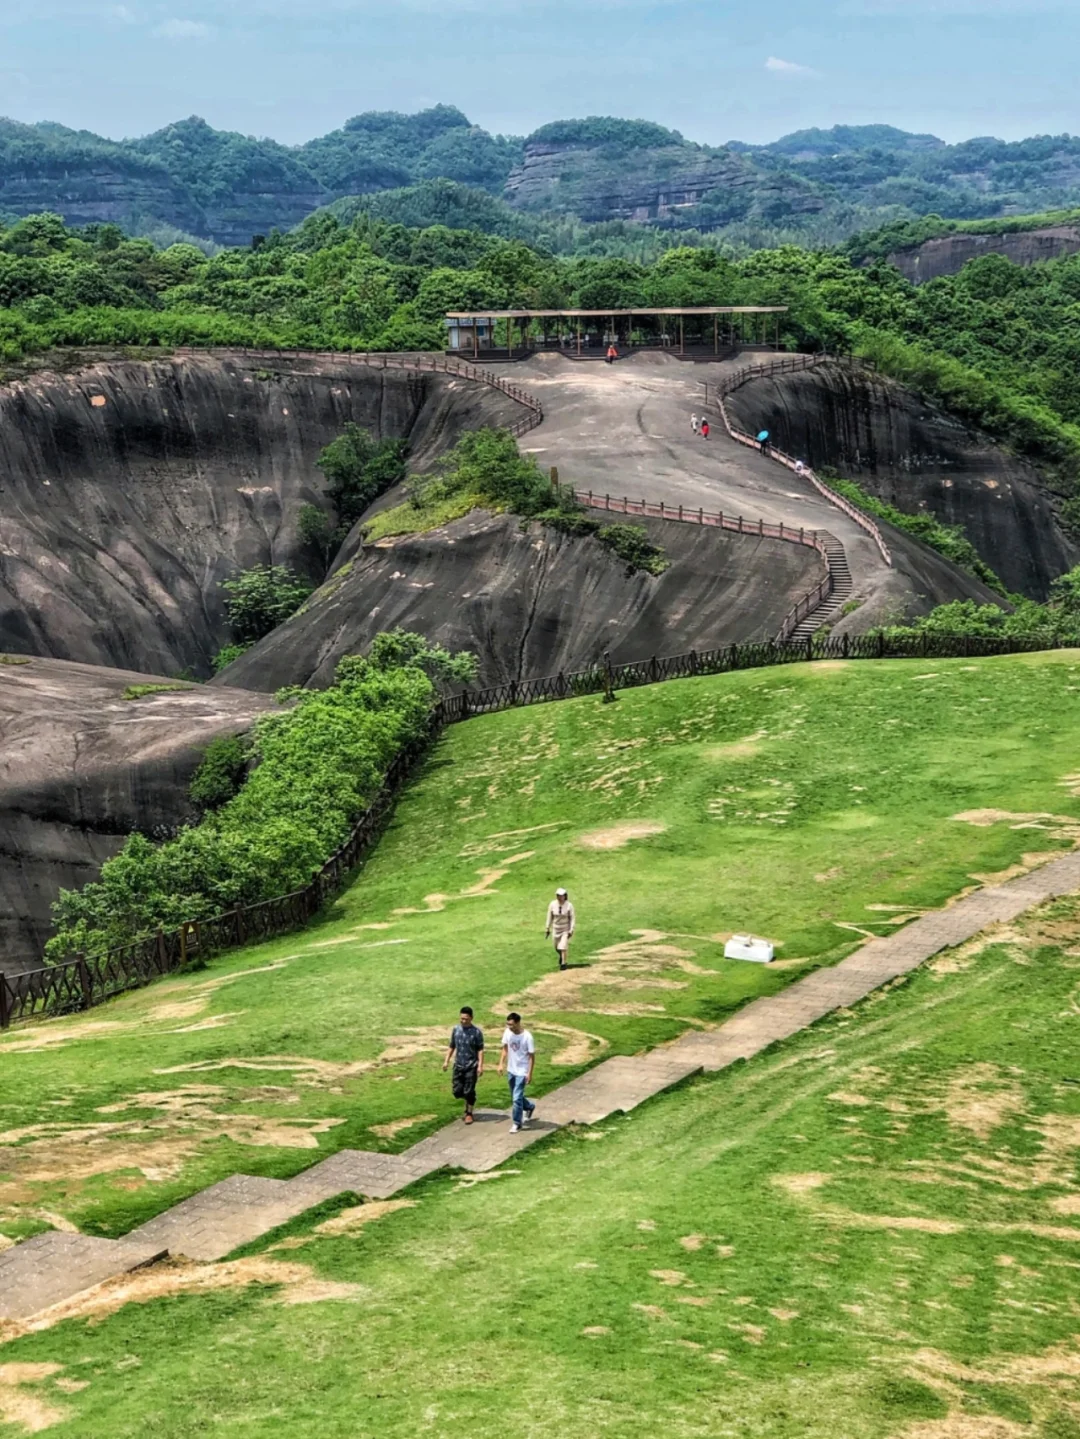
515,1128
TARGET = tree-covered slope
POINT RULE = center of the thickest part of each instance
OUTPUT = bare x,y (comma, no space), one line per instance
817,185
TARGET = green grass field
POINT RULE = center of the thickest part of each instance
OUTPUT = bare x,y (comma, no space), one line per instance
871,1232
813,805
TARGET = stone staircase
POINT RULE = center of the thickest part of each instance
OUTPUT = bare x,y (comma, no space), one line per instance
830,608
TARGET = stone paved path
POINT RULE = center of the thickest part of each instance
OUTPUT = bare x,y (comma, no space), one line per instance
52,1267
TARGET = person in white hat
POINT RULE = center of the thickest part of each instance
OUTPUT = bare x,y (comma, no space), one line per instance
560,923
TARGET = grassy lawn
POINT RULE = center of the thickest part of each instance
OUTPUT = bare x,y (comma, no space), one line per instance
871,1232
812,805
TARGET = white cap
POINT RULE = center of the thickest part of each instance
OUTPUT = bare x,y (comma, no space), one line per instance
560,891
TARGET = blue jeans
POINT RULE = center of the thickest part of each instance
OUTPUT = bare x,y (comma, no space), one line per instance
522,1106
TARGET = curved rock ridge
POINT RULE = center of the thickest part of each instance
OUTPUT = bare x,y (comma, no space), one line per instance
531,602
82,767
903,450
948,254
131,489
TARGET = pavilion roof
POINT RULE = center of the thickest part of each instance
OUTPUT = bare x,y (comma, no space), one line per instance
640,310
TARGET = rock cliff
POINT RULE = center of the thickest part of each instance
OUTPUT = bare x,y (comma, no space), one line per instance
595,183
530,602
903,450
948,254
130,490
81,767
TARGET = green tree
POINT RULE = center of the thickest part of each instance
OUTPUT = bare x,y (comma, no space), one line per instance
359,469
260,599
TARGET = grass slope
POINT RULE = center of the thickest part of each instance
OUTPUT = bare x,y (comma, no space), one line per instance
812,804
871,1231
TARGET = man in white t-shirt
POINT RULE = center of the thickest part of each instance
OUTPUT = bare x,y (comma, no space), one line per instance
518,1056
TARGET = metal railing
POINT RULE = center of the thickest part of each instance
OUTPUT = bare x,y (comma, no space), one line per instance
87,980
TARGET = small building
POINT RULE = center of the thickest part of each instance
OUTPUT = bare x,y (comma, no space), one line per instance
469,332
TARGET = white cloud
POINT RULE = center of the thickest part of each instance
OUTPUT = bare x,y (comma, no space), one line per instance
787,67
184,30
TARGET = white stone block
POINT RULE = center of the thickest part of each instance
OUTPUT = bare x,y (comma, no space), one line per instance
745,946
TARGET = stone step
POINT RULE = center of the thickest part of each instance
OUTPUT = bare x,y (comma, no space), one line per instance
52,1267
480,1146
617,1086
225,1216
364,1172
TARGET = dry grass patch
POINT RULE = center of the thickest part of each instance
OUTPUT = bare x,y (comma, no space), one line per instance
618,836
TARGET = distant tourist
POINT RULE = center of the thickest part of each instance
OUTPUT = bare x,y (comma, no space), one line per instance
695,423
800,468
560,923
704,429
518,1056
612,354
763,442
466,1049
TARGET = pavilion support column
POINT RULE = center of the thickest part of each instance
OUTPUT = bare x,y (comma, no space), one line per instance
579,337
716,334
476,338
682,334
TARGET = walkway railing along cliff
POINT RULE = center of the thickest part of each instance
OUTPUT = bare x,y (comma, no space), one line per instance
792,364
804,606
419,363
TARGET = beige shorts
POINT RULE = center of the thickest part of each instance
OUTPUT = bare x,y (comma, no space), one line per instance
562,943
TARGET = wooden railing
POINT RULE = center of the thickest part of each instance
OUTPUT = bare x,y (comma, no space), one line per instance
792,364
737,525
86,980
419,363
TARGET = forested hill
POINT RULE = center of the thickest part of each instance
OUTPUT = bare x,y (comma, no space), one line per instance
815,186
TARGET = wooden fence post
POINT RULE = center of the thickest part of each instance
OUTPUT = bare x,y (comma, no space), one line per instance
84,980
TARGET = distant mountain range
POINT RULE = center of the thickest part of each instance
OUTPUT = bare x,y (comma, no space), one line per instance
819,184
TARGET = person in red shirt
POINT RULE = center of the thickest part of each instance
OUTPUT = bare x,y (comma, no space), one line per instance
704,429
612,354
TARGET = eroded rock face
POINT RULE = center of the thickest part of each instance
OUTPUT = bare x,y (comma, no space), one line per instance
902,450
130,490
530,602
81,768
652,184
948,254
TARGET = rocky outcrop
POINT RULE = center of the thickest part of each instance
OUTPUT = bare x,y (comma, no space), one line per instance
130,490
96,192
903,450
649,184
530,602
81,768
948,254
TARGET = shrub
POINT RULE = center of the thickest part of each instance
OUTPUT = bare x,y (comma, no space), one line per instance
632,544
262,598
358,470
221,772
226,655
948,540
315,767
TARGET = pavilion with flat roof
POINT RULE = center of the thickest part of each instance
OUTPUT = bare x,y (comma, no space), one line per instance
715,328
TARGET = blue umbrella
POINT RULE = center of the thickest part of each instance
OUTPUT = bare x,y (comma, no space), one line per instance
763,436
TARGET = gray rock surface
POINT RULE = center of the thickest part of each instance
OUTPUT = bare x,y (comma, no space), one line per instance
948,254
131,489
905,451
530,602
81,767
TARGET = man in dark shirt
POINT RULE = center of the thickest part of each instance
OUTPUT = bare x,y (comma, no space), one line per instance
466,1049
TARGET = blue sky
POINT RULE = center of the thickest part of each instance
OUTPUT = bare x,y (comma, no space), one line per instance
715,69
